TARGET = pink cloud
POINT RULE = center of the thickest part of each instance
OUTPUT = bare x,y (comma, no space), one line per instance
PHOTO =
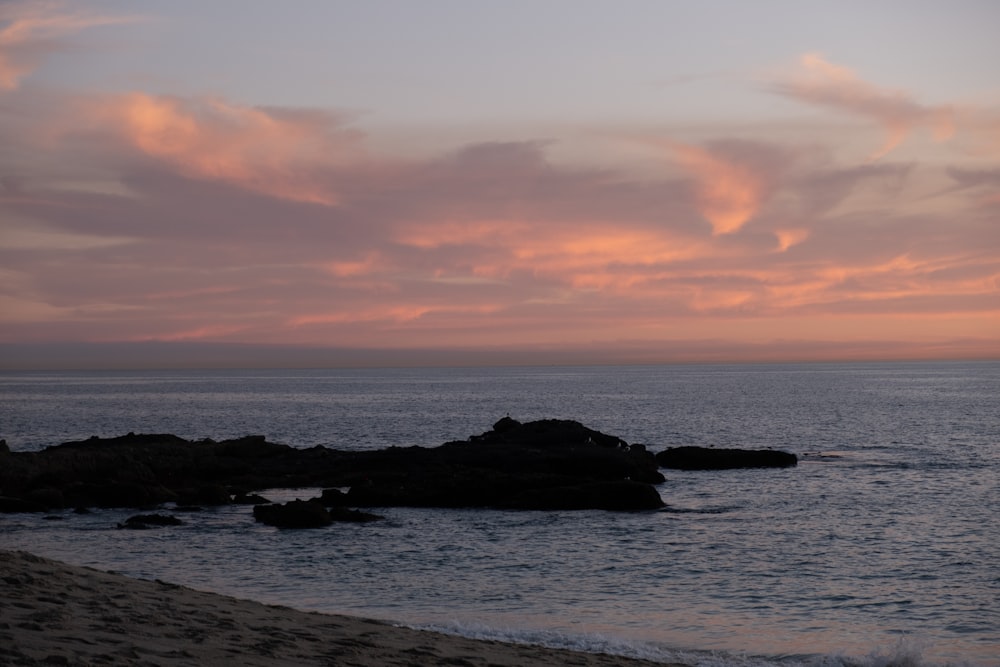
424,252
281,153
823,83
214,235
729,193
31,31
789,237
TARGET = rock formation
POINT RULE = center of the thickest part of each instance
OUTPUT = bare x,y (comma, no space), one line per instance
537,465
707,458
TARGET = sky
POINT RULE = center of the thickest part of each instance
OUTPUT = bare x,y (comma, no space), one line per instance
311,183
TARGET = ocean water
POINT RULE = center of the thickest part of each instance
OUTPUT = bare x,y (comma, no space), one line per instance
882,547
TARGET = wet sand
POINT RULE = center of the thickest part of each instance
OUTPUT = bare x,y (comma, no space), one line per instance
52,613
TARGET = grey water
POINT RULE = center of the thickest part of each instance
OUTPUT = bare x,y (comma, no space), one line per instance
881,547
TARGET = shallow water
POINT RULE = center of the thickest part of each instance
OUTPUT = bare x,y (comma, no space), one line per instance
886,531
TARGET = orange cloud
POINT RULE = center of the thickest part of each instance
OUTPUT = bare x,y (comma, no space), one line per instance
583,254
206,332
460,232
32,31
789,237
822,83
728,194
259,150
371,263
494,247
389,313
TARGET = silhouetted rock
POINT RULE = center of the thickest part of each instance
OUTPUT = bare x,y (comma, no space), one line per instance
206,494
12,505
249,499
513,460
117,494
352,516
46,497
143,521
294,514
333,498
619,496
505,424
707,458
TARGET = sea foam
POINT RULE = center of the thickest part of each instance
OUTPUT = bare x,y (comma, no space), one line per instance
906,652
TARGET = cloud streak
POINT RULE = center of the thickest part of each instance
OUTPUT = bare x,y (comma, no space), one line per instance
281,153
493,244
822,83
31,31
728,192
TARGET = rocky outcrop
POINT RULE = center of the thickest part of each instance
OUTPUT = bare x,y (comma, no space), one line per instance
621,495
10,505
144,521
146,470
308,514
345,515
708,458
294,514
243,498
512,465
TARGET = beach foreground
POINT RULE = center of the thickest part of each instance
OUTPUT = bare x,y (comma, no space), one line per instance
54,613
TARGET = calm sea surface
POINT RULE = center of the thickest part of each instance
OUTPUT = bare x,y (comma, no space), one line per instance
881,547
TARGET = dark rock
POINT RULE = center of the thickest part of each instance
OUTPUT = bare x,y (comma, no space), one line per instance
207,494
505,424
707,458
117,494
442,487
486,470
46,497
143,521
11,505
513,461
352,516
294,514
249,499
619,496
333,498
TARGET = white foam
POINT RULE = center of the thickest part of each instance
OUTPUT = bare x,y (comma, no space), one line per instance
906,652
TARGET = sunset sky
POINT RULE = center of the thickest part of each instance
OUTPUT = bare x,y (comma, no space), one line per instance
527,181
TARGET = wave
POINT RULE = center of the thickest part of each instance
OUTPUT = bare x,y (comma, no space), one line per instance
906,652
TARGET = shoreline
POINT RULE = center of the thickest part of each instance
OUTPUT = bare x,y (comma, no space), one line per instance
56,613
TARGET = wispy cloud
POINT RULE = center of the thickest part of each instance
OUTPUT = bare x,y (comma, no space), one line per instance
282,153
728,193
491,243
31,31
820,82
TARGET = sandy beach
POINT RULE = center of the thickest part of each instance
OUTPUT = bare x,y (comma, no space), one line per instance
52,613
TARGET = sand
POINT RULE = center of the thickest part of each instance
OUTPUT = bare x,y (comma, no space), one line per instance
52,613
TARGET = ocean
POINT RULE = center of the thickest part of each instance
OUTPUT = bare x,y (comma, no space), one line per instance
882,547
